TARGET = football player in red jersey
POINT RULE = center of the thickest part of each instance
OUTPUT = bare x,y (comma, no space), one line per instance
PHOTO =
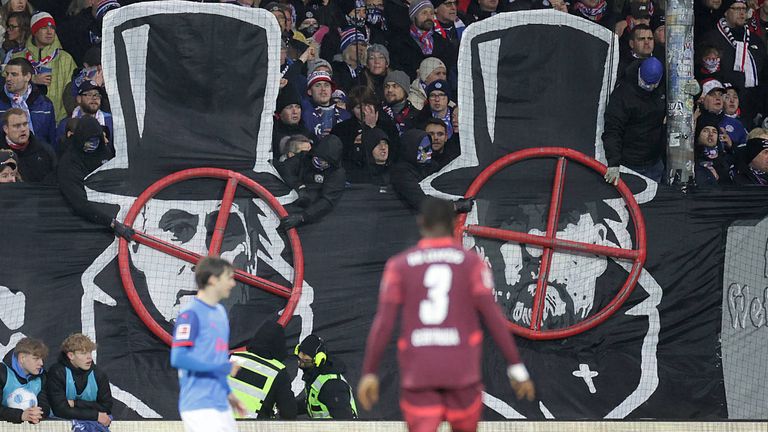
443,291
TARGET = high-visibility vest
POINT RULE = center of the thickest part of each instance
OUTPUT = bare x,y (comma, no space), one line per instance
252,388
317,409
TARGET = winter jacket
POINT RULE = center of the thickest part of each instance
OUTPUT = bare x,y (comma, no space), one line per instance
407,172
343,79
311,115
406,55
83,410
368,171
633,133
75,33
62,67
728,54
319,190
36,162
40,110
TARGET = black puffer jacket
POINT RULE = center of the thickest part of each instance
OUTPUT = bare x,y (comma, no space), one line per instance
408,172
319,190
634,123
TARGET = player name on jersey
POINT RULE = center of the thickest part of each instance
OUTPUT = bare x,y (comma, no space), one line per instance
427,256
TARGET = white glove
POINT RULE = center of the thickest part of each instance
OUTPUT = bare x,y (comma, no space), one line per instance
612,175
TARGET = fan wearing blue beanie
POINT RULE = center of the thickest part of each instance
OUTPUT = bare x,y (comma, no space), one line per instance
633,134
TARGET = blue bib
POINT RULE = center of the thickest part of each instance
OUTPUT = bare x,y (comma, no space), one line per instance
12,384
90,391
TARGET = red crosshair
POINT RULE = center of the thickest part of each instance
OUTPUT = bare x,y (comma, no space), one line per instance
233,179
550,243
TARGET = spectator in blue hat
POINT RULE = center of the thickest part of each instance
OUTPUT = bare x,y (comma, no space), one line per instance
438,106
89,97
354,54
633,134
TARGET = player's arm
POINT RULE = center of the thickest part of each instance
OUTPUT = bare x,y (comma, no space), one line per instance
182,354
42,397
390,299
57,396
482,295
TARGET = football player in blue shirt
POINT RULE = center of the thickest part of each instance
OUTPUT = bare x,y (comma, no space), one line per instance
201,352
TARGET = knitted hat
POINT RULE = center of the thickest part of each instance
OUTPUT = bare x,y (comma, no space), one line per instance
428,65
40,20
311,345
438,85
706,119
287,96
316,77
339,95
753,148
350,35
417,7
728,3
313,64
651,70
381,49
399,78
105,6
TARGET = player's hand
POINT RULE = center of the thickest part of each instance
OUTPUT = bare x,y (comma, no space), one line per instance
368,391
71,403
237,404
32,415
523,389
104,419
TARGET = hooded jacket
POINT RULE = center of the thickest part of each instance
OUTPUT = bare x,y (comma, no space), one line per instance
319,191
76,164
407,172
13,415
83,410
369,171
40,110
350,128
634,133
269,343
62,67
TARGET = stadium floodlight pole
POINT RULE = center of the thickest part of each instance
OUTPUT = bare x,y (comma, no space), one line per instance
681,87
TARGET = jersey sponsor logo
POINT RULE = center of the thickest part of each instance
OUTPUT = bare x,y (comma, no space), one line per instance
424,337
183,331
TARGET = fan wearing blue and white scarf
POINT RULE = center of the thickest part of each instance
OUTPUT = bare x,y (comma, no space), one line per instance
20,101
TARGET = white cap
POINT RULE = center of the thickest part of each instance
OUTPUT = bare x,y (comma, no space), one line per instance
710,85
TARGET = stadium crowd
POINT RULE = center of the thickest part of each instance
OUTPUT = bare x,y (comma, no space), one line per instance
368,92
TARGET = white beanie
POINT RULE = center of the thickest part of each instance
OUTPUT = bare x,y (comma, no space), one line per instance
428,65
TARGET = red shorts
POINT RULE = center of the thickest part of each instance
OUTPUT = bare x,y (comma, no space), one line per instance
424,410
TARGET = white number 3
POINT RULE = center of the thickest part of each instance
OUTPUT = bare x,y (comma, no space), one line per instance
434,309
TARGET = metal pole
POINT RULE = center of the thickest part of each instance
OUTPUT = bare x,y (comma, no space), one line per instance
680,105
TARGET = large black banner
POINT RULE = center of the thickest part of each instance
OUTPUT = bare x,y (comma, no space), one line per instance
657,356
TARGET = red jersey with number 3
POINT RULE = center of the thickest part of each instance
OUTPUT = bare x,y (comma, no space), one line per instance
442,291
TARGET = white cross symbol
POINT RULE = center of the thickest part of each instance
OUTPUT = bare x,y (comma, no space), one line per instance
587,376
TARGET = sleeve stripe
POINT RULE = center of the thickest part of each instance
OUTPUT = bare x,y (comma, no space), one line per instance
182,344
